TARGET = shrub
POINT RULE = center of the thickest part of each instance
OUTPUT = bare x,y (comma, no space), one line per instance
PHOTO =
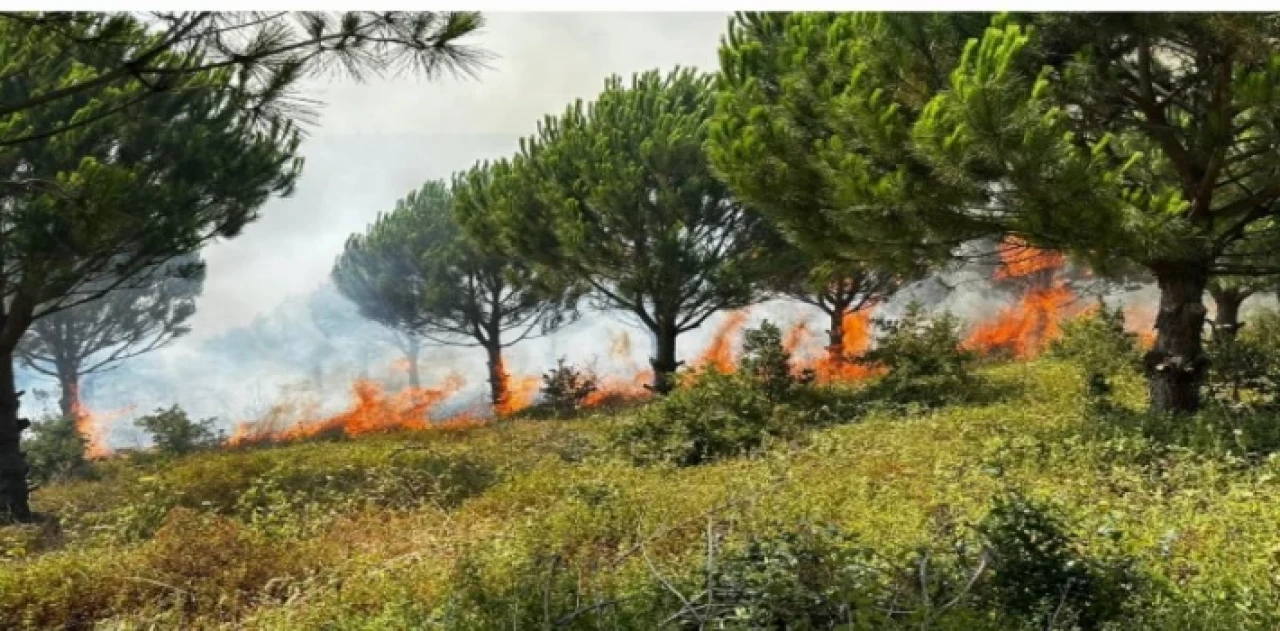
1038,573
1098,343
923,359
564,387
712,416
1244,369
766,362
55,450
174,433
801,578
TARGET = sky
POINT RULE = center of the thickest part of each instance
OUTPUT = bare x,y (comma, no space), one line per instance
375,141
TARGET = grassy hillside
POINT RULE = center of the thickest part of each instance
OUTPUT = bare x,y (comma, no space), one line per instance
533,524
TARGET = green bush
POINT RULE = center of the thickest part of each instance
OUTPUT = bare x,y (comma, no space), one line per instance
55,450
711,417
173,432
1098,343
564,388
1244,369
923,360
767,364
801,578
1038,574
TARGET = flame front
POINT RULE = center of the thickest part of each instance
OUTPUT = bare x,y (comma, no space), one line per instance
720,353
372,411
838,365
92,425
517,394
1026,328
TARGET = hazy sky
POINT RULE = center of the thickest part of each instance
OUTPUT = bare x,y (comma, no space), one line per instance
376,141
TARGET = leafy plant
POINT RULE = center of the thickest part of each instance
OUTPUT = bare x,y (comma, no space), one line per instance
1245,367
766,362
55,450
713,416
564,388
1039,574
923,359
174,433
1098,342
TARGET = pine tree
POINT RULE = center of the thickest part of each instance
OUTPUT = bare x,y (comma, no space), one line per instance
617,194
1145,140
415,271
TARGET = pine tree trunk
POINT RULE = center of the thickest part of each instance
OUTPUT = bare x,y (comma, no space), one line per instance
664,360
835,336
14,504
497,376
69,383
1176,364
1226,320
415,379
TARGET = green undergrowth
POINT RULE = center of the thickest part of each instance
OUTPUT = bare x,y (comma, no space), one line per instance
965,516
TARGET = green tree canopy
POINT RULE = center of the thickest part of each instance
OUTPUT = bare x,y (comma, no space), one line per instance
110,62
414,270
618,194
91,199
1141,139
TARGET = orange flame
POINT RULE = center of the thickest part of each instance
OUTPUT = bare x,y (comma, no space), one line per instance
1140,320
611,388
93,426
614,388
372,411
1026,328
720,353
837,364
797,337
517,393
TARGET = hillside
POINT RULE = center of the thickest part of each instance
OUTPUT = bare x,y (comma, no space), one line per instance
543,524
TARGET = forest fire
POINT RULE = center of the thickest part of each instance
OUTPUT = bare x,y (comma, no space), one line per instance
615,387
838,364
1025,329
93,426
518,393
372,411
720,353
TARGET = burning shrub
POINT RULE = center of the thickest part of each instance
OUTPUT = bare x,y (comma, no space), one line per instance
714,415
56,450
923,360
565,388
1100,345
173,432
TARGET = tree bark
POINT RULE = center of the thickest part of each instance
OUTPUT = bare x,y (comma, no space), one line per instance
14,493
1176,365
835,336
664,360
497,376
69,383
1226,302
